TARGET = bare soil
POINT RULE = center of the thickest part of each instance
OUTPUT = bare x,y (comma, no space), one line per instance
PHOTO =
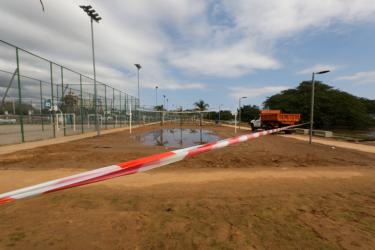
269,193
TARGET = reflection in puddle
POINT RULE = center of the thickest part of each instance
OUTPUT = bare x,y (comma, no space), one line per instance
177,137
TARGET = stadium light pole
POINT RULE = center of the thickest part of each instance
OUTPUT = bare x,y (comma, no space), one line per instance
93,17
138,68
156,96
313,100
239,111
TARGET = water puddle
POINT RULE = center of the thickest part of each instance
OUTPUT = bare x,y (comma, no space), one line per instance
177,137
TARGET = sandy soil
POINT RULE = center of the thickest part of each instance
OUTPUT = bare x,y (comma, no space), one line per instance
273,193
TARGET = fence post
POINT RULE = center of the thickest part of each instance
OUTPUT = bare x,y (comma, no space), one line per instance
113,104
105,105
52,103
20,97
62,98
81,102
120,111
126,106
41,104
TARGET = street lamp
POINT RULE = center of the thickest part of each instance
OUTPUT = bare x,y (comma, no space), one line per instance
156,95
312,101
219,111
93,17
239,111
138,67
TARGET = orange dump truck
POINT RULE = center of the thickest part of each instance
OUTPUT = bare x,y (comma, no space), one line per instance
274,119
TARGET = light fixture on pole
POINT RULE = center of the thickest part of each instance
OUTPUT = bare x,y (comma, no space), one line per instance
138,67
239,111
313,100
156,95
93,17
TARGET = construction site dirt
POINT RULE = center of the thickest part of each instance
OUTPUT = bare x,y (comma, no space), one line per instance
273,192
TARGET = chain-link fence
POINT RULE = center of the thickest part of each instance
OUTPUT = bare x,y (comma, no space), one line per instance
41,99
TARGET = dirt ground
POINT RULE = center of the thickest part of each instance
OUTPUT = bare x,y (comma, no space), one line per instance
269,193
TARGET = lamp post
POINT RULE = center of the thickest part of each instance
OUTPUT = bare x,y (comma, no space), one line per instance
138,68
219,111
93,17
312,101
156,95
239,111
163,101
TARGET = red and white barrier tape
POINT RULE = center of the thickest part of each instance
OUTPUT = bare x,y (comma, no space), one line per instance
129,167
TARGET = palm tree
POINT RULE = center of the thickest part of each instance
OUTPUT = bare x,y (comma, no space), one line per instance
201,106
161,110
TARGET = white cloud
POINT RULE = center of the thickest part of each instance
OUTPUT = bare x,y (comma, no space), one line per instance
240,91
226,61
363,77
280,18
211,38
319,67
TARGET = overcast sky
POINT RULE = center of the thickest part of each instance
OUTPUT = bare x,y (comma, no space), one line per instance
196,49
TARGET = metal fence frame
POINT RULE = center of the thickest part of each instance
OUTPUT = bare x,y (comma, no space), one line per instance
113,105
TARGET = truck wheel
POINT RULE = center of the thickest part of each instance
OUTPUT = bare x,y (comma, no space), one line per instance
252,127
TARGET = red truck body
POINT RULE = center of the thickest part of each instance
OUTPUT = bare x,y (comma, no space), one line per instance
274,118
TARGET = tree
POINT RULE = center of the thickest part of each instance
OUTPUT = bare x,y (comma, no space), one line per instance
70,103
249,112
333,108
201,105
159,108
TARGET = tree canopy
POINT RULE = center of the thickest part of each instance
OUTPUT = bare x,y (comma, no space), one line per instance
249,112
333,108
201,105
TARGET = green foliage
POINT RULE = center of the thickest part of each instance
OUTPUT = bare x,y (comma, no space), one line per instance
70,103
201,105
22,108
333,108
249,112
159,108
225,115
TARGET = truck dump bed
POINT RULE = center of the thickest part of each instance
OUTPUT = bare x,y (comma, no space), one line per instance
275,116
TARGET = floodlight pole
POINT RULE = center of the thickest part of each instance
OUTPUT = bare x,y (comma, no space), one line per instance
138,68
93,17
97,127
312,102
